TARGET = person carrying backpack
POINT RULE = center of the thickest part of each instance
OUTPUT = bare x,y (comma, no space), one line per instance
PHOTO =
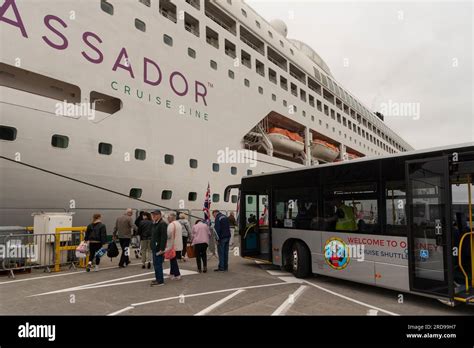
96,236
186,232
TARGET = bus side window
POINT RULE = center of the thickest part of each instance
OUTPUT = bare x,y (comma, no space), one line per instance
295,208
395,202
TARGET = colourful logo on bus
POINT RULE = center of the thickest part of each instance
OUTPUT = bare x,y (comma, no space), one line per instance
336,253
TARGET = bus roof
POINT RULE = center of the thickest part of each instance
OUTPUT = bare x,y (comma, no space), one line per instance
367,159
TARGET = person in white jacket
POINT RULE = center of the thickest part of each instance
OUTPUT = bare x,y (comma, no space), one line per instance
175,240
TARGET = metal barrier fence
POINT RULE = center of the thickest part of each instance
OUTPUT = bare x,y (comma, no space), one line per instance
47,251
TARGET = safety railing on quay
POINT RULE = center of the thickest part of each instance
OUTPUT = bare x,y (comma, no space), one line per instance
47,251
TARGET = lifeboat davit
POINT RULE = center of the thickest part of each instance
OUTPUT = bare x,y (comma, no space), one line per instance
324,151
285,142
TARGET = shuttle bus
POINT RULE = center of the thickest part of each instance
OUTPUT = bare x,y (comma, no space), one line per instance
403,222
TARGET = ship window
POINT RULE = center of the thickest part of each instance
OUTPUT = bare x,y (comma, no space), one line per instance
231,74
7,133
320,122
21,80
193,163
105,149
260,68
246,59
272,76
294,89
168,40
140,154
258,24
246,82
169,159
191,24
319,105
285,103
166,194
215,167
216,197
339,117
105,103
244,13
194,3
249,172
312,118
260,90
230,49
60,141
282,44
292,52
274,97
140,25
106,7
233,170
270,34
252,40
303,95
168,10
145,2
192,196
213,64
135,192
220,17
304,113
191,53
212,37
234,198
283,83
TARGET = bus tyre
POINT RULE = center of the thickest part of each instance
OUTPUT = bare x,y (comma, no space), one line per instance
300,260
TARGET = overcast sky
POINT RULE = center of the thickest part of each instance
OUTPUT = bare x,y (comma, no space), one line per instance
397,52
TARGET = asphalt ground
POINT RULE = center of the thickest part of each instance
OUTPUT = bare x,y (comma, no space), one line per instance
248,288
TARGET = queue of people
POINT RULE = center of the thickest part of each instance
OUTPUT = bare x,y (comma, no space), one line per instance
162,239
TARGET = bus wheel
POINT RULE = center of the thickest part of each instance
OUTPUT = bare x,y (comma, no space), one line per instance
300,260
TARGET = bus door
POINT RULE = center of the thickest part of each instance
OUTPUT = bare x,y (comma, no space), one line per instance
462,213
429,228
254,227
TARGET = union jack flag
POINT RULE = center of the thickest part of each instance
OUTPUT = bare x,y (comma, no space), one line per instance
207,206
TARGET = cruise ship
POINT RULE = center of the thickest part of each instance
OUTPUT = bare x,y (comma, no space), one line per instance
156,99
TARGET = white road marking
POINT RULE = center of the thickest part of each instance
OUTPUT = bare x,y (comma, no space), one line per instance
121,311
218,303
207,293
350,299
133,305
279,273
292,280
57,275
285,306
110,282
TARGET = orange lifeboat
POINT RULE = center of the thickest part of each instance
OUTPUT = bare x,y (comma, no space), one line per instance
324,151
285,142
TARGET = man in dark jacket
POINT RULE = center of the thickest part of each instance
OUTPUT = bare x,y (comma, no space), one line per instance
96,235
159,236
144,231
222,227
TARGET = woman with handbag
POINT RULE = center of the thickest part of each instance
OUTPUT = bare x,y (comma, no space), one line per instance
174,245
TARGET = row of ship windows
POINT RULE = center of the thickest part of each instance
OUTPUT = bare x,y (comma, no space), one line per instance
62,142
212,38
168,194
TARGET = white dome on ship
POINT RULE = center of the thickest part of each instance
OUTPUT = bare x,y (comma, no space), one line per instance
279,26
